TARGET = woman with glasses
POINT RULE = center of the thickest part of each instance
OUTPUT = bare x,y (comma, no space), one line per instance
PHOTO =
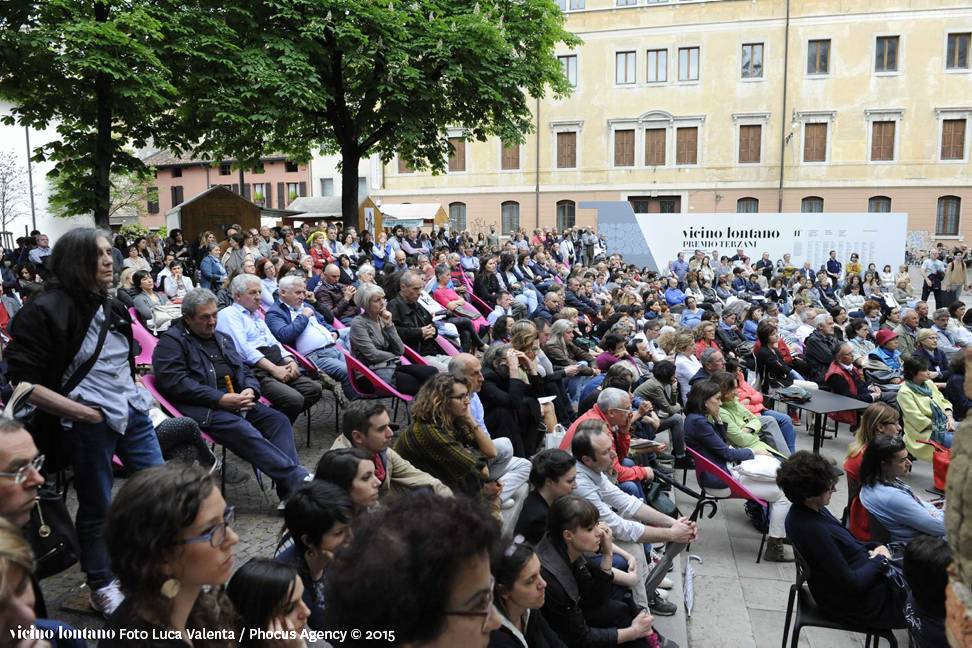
444,440
848,580
268,596
375,341
171,543
353,470
519,594
419,569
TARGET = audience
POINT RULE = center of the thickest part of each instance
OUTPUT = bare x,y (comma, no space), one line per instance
879,419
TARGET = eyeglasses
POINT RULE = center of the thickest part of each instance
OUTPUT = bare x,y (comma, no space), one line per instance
461,397
216,536
485,612
21,474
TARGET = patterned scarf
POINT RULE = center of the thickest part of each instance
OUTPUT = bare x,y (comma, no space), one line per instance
939,419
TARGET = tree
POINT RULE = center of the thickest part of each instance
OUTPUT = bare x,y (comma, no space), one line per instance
357,77
13,189
101,70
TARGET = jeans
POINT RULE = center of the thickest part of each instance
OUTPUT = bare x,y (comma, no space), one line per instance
772,435
331,361
632,488
674,425
786,427
138,448
265,438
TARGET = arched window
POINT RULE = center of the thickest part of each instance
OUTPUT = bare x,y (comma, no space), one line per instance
457,216
566,210
511,217
747,206
811,205
879,204
947,218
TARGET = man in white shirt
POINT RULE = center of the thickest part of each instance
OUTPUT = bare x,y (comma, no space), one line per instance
632,522
504,306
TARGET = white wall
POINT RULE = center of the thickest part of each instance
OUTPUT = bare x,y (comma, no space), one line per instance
13,138
325,166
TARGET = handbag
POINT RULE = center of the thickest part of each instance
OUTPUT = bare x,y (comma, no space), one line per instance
941,460
659,500
51,534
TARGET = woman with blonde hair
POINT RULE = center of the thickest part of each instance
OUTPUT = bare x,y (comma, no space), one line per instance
563,352
525,337
686,364
705,338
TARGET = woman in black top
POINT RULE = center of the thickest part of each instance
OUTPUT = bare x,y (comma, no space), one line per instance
518,595
773,371
487,286
169,536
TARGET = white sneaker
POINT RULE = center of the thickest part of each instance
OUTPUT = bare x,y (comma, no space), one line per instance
666,583
662,594
106,600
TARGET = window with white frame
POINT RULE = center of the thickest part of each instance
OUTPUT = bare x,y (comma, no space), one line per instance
657,66
510,215
625,68
953,128
957,51
886,54
747,206
568,64
566,137
457,216
688,64
566,214
818,57
752,61
882,134
749,136
812,205
816,135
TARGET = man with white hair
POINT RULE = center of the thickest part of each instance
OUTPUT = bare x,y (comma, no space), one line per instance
907,332
820,347
272,365
294,322
948,343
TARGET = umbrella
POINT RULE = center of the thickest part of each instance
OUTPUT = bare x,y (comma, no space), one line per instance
689,583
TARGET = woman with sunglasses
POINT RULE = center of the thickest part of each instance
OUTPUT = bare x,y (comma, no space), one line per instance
518,595
268,596
171,545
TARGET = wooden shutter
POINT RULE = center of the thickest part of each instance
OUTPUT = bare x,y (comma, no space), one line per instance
510,158
267,195
281,195
882,141
687,145
457,155
302,189
655,147
566,150
246,190
749,143
953,139
624,153
815,143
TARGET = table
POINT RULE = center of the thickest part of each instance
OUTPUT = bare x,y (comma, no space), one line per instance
820,404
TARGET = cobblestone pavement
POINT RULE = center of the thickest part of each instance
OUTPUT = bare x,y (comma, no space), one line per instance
257,520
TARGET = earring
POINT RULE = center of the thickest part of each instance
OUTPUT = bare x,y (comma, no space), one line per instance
310,553
170,588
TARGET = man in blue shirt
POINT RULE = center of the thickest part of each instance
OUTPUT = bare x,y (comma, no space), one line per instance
834,267
280,378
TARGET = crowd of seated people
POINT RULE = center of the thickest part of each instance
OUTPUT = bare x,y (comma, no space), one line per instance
479,335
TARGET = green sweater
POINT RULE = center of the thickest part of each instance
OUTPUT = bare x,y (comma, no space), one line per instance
743,427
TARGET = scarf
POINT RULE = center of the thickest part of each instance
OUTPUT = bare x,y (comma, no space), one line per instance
379,468
939,419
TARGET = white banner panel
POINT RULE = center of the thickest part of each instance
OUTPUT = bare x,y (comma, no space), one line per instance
878,238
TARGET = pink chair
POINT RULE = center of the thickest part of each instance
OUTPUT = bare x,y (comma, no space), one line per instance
313,372
736,489
446,346
482,306
358,371
338,324
413,357
145,340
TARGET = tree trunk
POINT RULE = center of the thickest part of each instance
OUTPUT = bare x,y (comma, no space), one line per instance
349,186
103,145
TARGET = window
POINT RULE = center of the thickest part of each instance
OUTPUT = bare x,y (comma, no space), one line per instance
811,205
815,142
624,68
957,52
688,64
747,206
947,219
624,148
655,146
568,64
566,150
627,3
687,145
750,144
152,198
260,193
752,61
290,167
404,167
457,216
176,172
327,186
510,211
259,168
566,211
176,195
879,204
510,157
457,154
886,54
953,139
818,57
362,188
657,66
576,4
293,192
225,168
882,141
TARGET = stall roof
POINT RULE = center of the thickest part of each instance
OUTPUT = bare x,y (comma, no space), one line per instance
410,211
316,206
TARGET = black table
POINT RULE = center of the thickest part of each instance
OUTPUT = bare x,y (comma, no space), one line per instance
820,404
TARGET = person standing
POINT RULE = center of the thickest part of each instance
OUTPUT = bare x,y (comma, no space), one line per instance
74,343
932,271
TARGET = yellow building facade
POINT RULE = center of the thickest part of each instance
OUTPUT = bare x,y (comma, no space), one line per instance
851,105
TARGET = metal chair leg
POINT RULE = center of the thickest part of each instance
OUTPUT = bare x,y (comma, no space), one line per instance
789,611
759,554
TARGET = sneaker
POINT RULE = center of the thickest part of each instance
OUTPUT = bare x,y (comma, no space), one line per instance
234,475
776,551
105,600
661,607
662,594
684,462
666,584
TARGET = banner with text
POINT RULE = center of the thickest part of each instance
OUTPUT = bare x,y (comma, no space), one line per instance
878,238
